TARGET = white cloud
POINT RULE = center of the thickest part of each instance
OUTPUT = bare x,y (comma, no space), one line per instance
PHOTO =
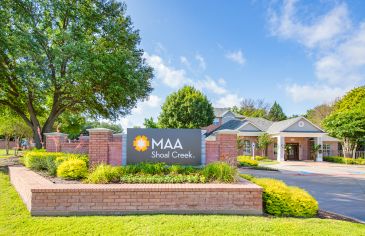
315,93
229,100
171,77
222,81
201,61
322,31
211,85
337,45
236,56
152,102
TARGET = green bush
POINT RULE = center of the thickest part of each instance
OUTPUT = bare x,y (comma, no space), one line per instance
72,169
345,160
155,179
104,174
282,200
219,172
40,160
247,161
260,158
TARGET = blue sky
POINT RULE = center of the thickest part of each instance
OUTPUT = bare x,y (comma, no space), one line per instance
298,53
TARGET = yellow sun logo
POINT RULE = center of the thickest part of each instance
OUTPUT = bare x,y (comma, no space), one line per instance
141,143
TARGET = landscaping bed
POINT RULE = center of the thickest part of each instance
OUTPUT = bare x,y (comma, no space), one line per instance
63,167
345,160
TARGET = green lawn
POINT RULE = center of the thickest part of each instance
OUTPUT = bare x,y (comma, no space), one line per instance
15,220
3,153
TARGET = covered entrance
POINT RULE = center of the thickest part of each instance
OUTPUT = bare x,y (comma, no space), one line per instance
292,152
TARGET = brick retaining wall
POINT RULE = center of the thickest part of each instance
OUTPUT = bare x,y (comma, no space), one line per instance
42,197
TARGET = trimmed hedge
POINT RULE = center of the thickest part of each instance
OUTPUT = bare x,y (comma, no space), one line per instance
282,200
72,169
345,160
40,160
247,161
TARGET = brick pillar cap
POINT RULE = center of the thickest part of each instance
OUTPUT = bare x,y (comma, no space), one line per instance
99,130
118,134
55,134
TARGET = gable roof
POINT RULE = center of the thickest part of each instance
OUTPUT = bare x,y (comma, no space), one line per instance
279,126
230,125
220,112
262,124
259,122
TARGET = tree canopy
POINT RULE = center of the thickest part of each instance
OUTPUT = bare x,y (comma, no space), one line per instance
252,108
77,56
347,120
150,123
317,114
186,108
276,113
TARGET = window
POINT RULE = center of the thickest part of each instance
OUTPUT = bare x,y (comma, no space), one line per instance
326,150
216,121
247,147
275,149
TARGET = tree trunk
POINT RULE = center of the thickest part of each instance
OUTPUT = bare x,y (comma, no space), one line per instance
347,152
7,139
37,137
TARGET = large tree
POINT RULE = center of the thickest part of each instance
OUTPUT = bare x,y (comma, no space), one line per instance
276,113
317,114
349,126
60,55
252,108
186,108
347,120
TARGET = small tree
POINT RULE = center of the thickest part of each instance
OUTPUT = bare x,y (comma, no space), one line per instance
276,113
349,126
186,108
263,142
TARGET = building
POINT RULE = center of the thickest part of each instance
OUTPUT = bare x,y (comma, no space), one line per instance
292,139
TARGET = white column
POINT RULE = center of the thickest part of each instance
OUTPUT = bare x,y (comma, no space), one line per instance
280,152
319,141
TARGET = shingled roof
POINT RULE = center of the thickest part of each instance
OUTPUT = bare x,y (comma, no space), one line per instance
219,112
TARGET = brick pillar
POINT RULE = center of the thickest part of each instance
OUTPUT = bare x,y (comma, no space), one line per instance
227,144
99,139
54,141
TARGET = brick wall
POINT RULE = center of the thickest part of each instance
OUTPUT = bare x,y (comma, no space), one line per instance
12,144
45,198
103,146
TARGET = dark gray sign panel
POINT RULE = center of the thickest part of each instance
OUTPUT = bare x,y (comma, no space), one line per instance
172,146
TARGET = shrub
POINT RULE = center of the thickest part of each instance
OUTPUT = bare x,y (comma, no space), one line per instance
345,160
282,200
175,169
72,169
220,172
104,174
154,179
40,160
247,161
260,158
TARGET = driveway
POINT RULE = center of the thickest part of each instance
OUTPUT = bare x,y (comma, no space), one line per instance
337,188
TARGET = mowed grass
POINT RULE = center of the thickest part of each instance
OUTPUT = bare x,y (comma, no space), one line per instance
15,220
3,153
